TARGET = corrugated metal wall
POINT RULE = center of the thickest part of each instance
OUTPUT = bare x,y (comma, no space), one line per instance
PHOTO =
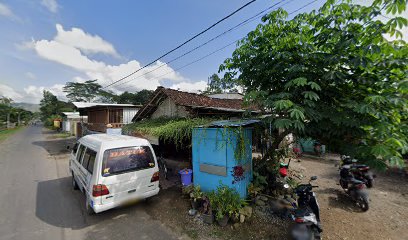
128,114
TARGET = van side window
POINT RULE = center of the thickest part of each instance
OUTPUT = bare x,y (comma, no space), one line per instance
81,152
75,148
92,157
89,159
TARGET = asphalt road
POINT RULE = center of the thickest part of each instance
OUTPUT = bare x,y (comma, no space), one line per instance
37,201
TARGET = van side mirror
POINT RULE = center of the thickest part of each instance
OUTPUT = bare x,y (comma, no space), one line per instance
313,178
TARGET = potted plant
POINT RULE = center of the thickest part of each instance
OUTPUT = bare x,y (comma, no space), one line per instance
226,203
207,214
196,197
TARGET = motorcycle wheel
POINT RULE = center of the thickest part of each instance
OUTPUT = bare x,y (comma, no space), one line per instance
362,202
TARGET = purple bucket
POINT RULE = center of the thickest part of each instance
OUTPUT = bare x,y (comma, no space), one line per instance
186,176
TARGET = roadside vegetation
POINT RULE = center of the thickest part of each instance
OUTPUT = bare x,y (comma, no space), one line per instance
337,75
4,134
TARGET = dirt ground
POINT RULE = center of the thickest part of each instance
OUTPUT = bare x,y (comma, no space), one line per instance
341,219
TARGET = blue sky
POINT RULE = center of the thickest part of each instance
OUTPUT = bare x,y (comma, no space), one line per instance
46,43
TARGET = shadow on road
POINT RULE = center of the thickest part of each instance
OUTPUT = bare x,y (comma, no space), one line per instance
57,204
56,147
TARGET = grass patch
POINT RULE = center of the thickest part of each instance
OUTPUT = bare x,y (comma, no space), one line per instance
4,134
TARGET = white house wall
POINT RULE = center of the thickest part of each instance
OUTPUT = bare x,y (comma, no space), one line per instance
128,114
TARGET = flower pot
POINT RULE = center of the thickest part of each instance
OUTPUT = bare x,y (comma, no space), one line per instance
196,204
223,221
208,218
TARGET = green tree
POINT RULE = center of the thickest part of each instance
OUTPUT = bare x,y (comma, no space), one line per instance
331,74
217,85
82,92
51,106
140,97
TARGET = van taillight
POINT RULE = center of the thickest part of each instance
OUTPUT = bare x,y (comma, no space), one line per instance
99,190
155,177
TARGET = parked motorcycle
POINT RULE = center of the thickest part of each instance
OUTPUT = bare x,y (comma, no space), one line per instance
360,171
355,188
307,214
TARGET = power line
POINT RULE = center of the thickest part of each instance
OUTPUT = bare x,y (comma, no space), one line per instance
205,56
216,37
184,43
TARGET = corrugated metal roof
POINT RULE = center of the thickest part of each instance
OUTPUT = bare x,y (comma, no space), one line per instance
87,105
233,123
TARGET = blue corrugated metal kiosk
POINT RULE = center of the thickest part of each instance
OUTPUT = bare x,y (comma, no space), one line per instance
215,155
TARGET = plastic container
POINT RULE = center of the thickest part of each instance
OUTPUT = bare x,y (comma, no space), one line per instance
186,175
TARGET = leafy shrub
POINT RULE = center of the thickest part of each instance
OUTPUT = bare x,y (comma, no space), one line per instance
225,201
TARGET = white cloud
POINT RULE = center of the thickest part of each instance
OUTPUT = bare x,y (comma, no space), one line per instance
31,75
87,43
7,91
5,11
67,48
34,94
51,5
190,87
31,94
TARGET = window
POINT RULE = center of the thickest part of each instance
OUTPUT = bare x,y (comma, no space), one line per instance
81,152
75,148
89,160
120,160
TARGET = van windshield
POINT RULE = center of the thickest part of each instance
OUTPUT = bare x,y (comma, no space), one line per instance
120,160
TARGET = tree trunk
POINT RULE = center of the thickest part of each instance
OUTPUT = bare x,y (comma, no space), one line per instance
277,139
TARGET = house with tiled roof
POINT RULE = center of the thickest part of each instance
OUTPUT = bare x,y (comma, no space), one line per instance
166,102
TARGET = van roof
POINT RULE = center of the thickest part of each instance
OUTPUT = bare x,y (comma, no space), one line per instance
107,141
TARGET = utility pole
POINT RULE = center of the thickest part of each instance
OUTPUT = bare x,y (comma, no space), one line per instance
8,120
18,118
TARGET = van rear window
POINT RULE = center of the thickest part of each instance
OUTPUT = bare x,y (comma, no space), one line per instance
121,160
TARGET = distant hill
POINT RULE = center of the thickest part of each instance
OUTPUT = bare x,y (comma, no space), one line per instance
27,106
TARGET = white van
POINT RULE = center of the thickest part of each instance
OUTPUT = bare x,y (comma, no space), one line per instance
113,170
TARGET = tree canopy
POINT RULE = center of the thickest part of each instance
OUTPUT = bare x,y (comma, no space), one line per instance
136,98
87,91
51,107
337,74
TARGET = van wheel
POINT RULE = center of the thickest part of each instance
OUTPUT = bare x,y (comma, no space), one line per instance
74,183
88,208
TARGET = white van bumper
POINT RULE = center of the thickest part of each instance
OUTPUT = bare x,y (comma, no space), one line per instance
103,207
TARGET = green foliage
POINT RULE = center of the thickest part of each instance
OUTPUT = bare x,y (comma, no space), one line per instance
50,107
257,185
136,98
333,74
217,85
196,193
6,109
86,91
225,201
173,130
